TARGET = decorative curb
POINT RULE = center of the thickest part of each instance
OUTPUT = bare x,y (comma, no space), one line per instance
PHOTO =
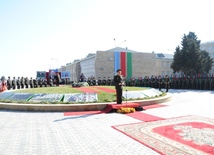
76,107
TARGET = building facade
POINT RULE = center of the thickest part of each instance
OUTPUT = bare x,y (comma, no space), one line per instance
104,64
209,47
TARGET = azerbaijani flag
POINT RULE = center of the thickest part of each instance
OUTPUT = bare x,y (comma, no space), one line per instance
123,61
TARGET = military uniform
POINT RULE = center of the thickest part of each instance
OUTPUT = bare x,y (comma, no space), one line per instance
99,81
167,82
160,81
31,83
26,82
118,81
9,83
22,83
104,81
18,83
109,81
50,82
35,83
14,83
45,82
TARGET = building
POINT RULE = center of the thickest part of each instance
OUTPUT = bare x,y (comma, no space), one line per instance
104,64
209,47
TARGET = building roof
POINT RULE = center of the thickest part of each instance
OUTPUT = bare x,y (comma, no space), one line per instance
164,56
120,49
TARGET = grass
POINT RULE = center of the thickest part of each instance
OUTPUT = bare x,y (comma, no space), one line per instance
67,89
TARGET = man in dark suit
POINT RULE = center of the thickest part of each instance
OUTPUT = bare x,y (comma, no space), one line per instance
118,81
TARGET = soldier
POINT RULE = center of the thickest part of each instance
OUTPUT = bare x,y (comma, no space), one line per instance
18,83
14,83
99,81
31,83
146,81
167,82
22,83
50,82
160,81
109,81
35,83
40,82
45,82
140,81
94,82
104,81
133,81
26,82
9,83
89,81
152,81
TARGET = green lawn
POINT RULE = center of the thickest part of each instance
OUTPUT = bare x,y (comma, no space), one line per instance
67,89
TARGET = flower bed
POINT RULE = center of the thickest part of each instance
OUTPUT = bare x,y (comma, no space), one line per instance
126,110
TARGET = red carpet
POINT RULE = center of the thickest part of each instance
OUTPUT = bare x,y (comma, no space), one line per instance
105,89
137,115
189,135
87,89
144,117
108,108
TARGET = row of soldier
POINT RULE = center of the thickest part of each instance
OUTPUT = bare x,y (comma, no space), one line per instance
159,82
21,83
93,82
193,82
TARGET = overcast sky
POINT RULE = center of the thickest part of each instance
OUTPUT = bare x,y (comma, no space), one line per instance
36,35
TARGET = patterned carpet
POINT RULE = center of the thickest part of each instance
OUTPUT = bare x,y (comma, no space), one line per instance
189,135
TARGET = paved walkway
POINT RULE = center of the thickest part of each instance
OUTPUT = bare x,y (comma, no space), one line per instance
36,133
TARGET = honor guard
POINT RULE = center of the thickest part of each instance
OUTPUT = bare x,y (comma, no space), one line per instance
160,81
109,81
22,83
9,83
14,83
167,82
35,83
99,81
26,82
40,82
104,81
50,82
45,82
31,83
18,83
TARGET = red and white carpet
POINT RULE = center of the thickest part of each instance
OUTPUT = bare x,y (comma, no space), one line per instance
189,135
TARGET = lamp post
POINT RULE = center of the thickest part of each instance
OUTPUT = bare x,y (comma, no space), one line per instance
116,45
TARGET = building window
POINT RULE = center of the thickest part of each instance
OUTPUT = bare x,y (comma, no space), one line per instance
163,73
168,73
163,64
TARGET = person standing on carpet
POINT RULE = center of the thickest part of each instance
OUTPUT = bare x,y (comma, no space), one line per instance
118,81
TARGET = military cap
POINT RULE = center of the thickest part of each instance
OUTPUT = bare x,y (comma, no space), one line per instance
119,70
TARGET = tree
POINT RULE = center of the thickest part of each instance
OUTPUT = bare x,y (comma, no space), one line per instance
189,59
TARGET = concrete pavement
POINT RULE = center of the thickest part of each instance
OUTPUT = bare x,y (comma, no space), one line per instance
49,133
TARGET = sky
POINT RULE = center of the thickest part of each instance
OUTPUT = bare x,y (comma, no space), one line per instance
38,35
